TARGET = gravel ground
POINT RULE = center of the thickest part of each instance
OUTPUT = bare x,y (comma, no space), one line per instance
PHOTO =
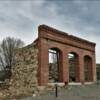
83,92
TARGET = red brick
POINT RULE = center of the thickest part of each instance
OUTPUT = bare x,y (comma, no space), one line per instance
52,38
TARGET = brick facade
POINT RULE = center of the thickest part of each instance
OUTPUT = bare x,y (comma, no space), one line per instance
51,38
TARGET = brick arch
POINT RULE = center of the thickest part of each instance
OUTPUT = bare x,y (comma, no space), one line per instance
87,54
88,68
74,52
56,47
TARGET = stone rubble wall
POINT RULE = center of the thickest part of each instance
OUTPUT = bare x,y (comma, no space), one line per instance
24,73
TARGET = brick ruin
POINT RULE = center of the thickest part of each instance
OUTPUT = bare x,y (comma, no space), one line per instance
54,57
74,57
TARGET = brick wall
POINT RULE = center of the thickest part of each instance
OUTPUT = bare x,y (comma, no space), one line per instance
52,38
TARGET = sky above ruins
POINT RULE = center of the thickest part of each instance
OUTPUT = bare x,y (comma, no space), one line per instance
20,18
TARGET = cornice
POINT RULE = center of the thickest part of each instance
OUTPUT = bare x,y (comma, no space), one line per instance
48,28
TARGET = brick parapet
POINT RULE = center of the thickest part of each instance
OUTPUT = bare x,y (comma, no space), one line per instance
62,37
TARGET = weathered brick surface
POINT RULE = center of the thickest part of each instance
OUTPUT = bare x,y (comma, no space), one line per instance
52,38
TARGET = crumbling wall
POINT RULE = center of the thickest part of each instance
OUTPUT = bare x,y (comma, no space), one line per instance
24,73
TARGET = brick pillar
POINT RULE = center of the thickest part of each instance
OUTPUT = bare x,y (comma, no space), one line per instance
65,69
81,69
43,69
77,70
94,69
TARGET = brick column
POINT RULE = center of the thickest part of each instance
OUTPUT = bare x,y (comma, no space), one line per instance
77,71
65,69
43,70
94,69
81,69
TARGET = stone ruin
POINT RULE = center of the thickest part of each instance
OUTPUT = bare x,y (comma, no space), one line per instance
24,73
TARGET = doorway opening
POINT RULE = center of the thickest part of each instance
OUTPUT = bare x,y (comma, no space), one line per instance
73,67
87,68
54,55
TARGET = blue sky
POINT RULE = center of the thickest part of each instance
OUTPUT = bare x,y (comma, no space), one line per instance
20,18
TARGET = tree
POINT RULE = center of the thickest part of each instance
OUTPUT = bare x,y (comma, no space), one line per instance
7,52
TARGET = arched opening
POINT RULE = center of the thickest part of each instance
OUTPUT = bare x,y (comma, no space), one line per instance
87,68
73,67
54,63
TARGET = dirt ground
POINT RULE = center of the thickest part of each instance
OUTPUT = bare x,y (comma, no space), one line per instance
82,92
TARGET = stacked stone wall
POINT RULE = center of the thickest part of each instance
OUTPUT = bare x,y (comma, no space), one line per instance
24,73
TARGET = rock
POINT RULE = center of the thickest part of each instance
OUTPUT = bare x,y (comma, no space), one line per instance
1,94
34,95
